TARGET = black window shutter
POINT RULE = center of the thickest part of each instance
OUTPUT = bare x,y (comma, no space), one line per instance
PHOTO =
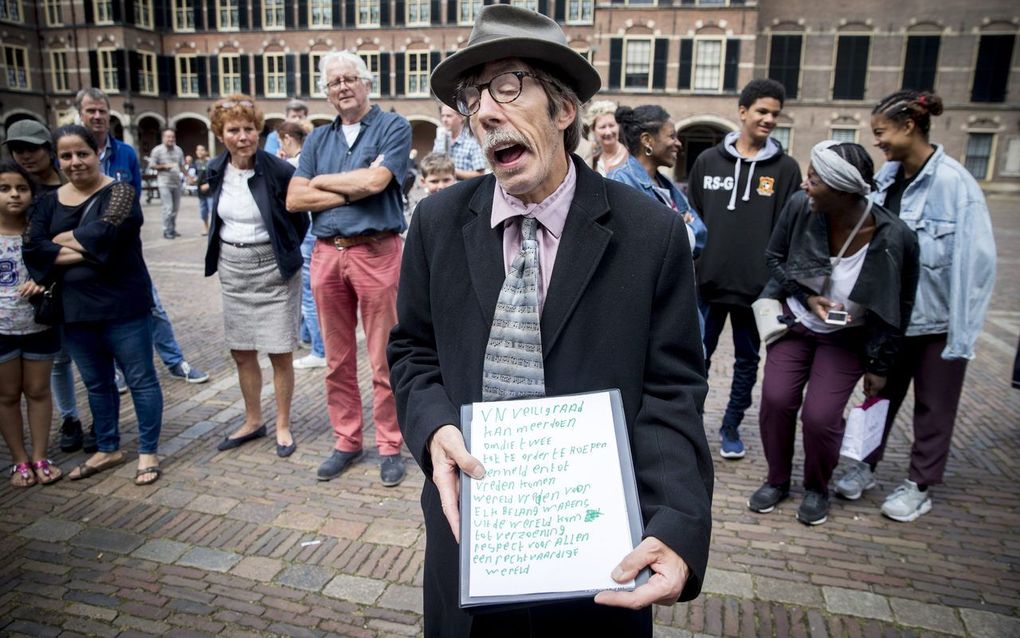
211,12
384,74
302,15
214,75
560,12
242,14
288,15
398,60
165,75
620,1
119,12
543,7
435,57
307,76
784,62
135,73
686,3
736,3
256,14
200,62
451,11
434,12
399,11
291,64
731,66
161,19
199,17
260,84
384,13
920,63
337,13
94,67
992,70
686,62
89,18
122,69
245,71
615,62
851,67
659,61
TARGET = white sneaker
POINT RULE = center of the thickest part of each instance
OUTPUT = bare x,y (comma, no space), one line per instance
906,503
310,361
857,479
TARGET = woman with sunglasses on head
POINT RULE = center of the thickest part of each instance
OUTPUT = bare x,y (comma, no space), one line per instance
943,205
84,238
846,270
255,245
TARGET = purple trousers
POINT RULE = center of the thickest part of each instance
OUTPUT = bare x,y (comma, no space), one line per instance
830,366
937,387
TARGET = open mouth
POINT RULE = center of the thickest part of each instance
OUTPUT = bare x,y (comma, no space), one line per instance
508,154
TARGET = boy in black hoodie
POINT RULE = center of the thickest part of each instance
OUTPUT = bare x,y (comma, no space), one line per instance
739,187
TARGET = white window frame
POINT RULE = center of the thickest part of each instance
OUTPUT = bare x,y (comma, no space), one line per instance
274,14
149,74
274,74
584,53
13,50
467,11
183,11
854,130
1011,165
371,59
18,13
102,11
60,79
580,11
421,74
627,42
314,61
228,9
187,78
423,16
531,5
228,77
107,65
144,14
720,68
990,162
366,14
54,13
320,14
789,137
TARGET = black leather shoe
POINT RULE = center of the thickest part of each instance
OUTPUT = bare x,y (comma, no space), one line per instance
814,509
337,463
70,434
766,497
229,443
391,470
283,451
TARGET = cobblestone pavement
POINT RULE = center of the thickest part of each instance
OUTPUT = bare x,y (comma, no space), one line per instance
245,543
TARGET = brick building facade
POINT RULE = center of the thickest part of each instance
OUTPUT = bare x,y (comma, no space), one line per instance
162,61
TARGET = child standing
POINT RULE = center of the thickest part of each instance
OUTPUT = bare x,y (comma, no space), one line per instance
27,348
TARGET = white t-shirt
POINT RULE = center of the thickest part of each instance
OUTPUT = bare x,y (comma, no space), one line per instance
242,221
351,133
17,317
841,284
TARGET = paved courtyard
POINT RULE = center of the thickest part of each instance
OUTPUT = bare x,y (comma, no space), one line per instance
244,543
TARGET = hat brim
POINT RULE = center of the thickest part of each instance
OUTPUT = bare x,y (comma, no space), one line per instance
572,69
35,141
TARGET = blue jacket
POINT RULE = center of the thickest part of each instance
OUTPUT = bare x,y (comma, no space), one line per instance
122,164
632,173
945,207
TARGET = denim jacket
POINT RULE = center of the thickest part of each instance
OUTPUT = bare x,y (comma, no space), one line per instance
945,207
632,173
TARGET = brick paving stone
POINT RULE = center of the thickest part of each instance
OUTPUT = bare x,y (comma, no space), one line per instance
208,504
782,591
30,628
108,540
982,624
402,597
934,617
257,568
343,528
730,583
305,577
355,589
839,600
161,550
50,530
388,532
172,497
387,628
90,611
297,632
210,559
146,625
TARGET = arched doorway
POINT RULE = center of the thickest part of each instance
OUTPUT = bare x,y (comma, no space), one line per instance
190,133
423,136
697,136
149,134
116,127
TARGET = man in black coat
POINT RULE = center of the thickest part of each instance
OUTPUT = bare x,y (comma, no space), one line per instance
617,311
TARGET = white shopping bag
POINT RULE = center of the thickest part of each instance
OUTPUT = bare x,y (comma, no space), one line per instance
864,428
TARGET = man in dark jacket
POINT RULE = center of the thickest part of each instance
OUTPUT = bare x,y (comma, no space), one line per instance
616,309
739,187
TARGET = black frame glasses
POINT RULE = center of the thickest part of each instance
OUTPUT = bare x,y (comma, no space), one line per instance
469,98
349,80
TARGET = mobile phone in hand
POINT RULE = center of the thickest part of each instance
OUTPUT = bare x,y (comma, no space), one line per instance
836,318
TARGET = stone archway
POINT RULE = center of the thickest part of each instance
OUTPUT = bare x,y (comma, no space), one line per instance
697,135
149,134
190,133
423,136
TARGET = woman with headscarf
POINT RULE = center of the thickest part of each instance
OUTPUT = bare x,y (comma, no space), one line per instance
255,245
846,271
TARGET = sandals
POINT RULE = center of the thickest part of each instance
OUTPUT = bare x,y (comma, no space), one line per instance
22,475
46,472
148,470
85,470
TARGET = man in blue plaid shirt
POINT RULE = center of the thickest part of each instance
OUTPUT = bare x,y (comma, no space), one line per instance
454,140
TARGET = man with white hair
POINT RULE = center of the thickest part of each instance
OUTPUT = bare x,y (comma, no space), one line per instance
349,176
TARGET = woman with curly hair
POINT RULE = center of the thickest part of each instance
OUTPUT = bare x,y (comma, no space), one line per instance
608,152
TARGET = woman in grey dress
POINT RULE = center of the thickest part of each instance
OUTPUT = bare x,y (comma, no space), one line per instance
255,245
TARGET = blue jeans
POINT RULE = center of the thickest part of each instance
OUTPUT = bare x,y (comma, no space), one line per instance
309,314
95,346
745,346
62,381
163,339
203,207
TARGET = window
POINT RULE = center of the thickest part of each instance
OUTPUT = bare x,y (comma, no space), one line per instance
467,10
920,62
228,14
10,10
371,59
54,13
783,135
368,13
417,80
314,60
584,53
851,70
979,154
230,74
275,80
580,11
992,69
531,5
273,16
844,134
108,70
418,13
640,2
59,79
143,13
784,62
184,15
103,11
147,82
708,62
320,13
16,67
637,64
712,3
1012,166
187,76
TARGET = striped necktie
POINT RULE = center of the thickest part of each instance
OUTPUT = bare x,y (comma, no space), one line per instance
513,357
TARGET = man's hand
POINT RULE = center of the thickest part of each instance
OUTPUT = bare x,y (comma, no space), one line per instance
873,384
669,576
448,457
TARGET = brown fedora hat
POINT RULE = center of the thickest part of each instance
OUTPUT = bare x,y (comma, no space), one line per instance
502,31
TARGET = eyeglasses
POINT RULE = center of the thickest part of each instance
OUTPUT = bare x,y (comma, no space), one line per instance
504,88
349,80
229,104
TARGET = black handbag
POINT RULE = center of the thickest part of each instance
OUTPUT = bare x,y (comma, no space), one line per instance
48,307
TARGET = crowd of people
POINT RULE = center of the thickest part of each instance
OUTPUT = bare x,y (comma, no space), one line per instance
524,270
